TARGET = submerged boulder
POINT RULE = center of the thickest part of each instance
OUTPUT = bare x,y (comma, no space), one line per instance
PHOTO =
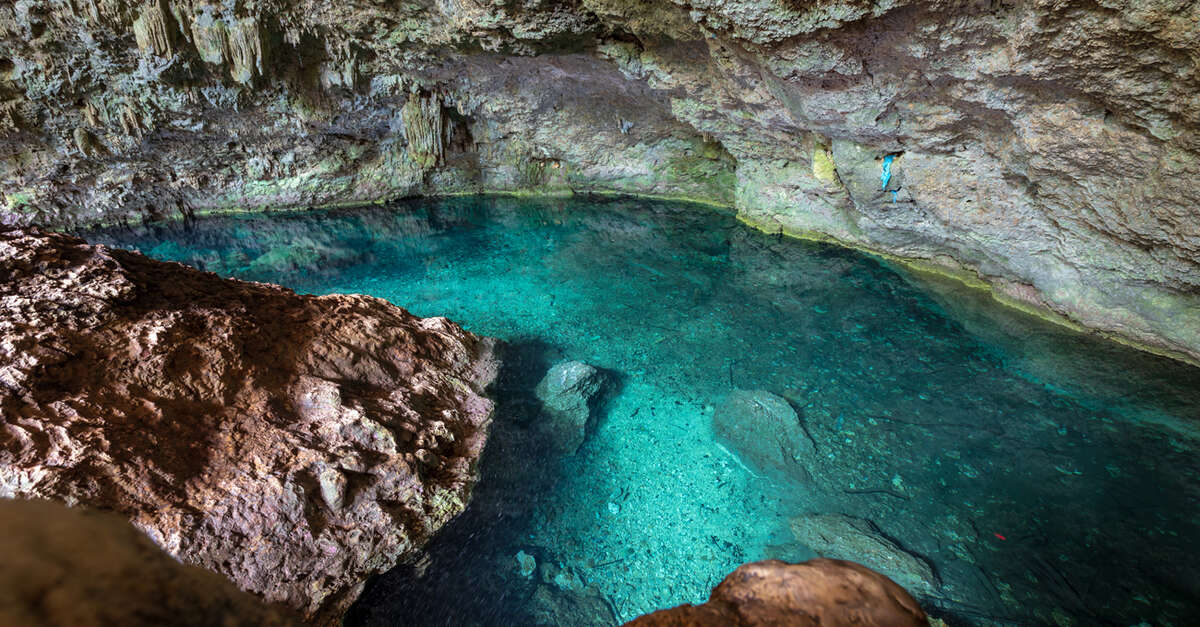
563,598
70,566
820,592
295,444
568,392
766,432
846,537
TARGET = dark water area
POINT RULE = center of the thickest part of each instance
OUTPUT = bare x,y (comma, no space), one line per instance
1007,471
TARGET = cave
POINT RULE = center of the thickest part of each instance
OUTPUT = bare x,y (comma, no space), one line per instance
600,312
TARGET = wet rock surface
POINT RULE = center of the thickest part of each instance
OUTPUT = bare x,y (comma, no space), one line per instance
294,444
1048,147
71,566
819,592
568,393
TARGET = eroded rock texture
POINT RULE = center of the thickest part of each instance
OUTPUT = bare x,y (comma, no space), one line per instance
295,444
820,592
68,566
1051,147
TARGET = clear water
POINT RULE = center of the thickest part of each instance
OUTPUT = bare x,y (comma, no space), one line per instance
1047,477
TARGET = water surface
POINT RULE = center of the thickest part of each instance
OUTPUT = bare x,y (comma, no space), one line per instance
1043,476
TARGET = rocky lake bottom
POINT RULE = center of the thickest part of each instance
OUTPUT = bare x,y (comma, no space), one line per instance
1005,470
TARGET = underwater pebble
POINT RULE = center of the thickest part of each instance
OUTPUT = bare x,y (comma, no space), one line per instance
526,564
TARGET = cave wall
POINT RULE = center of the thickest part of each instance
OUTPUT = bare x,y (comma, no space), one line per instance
1049,146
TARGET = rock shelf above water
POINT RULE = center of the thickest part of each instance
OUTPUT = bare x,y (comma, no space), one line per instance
295,444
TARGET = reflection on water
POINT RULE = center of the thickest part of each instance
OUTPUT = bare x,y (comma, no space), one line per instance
1006,470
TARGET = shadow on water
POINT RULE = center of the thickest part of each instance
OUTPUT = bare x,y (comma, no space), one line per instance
470,573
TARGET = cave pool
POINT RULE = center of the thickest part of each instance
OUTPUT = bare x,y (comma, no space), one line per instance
1045,477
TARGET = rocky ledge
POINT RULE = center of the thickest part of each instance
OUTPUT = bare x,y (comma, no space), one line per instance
295,444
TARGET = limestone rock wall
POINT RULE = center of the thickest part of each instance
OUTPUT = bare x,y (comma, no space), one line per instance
1050,147
295,444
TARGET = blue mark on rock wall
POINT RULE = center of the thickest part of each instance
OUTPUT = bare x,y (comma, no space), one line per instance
886,176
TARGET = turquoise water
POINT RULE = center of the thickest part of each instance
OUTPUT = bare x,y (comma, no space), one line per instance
1041,476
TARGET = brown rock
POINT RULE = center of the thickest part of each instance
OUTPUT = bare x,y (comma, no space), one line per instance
69,566
296,444
820,592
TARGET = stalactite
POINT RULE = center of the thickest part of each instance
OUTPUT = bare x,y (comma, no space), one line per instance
423,127
211,38
92,115
155,29
131,122
10,120
238,44
245,51
180,14
86,142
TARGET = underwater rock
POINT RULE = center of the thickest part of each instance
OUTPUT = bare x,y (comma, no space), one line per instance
72,566
586,607
567,393
296,444
562,577
764,430
845,537
563,598
816,593
526,564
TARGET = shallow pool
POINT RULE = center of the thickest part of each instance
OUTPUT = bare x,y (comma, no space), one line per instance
1008,470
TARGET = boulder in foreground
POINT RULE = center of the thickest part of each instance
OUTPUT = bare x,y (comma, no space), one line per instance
816,593
295,444
69,566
